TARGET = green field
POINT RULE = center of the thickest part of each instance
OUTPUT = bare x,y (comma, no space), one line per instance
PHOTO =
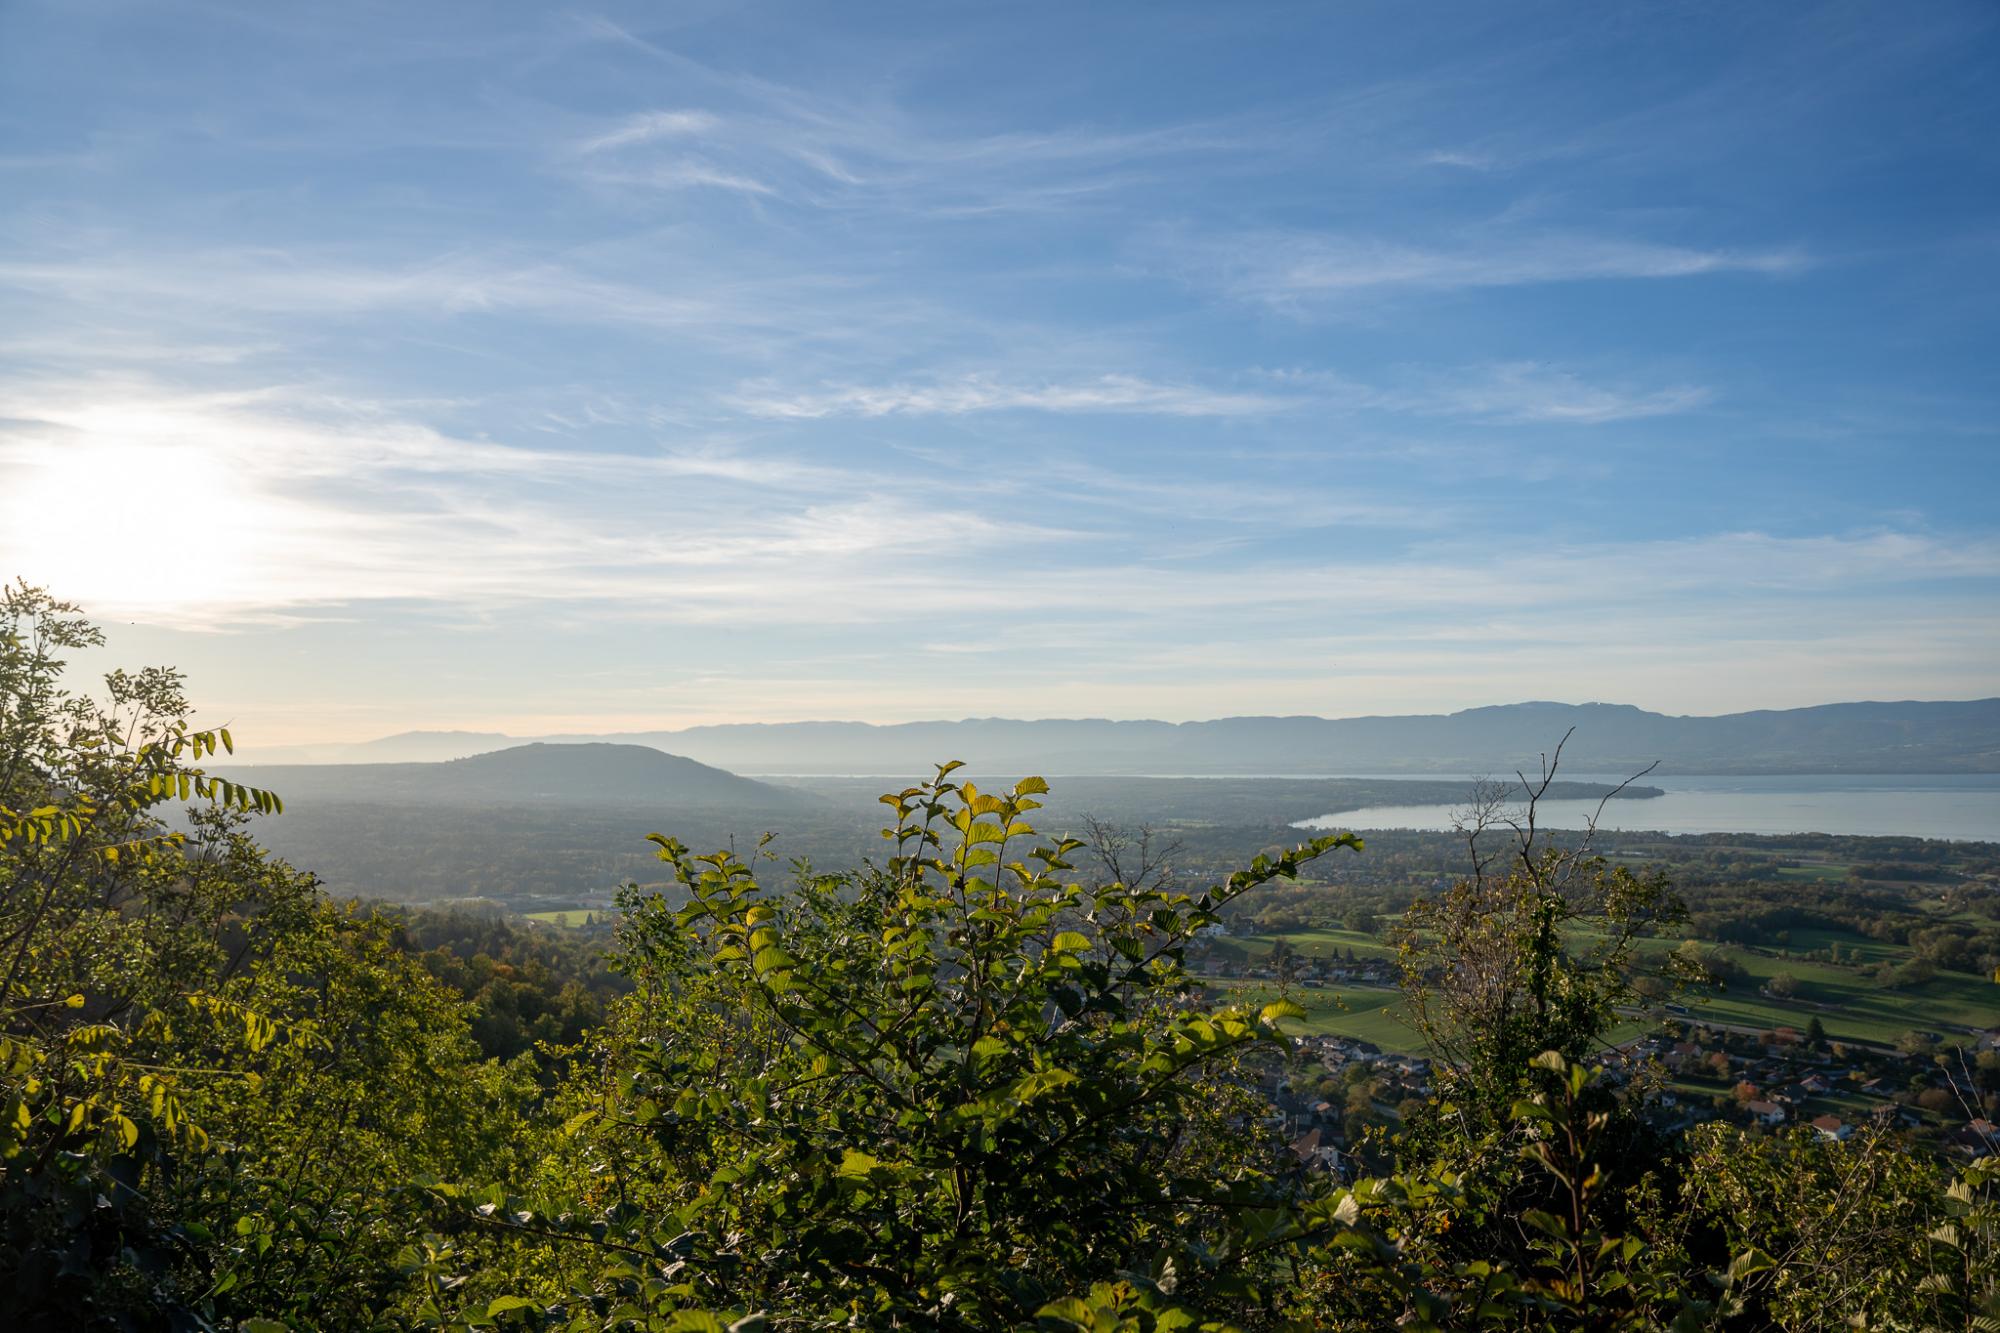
1813,870
1357,1011
1314,943
1810,939
575,917
1847,1004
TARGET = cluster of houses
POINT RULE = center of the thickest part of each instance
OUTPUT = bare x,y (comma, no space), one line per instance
1777,1079
1315,1125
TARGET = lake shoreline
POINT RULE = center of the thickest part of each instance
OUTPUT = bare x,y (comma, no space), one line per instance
1955,807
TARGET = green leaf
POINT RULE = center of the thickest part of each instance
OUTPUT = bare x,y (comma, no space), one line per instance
855,1164
1529,1109
1749,1263
1278,1009
1069,1310
1544,1222
501,1305
695,1321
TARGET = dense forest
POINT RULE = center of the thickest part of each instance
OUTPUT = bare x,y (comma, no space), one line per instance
970,1082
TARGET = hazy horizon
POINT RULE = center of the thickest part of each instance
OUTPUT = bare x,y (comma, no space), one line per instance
1080,718
540,371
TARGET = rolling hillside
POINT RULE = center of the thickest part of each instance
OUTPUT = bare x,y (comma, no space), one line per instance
533,774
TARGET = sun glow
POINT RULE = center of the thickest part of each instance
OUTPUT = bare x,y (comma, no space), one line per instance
134,522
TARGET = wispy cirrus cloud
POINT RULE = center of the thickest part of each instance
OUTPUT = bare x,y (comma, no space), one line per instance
1303,271
1509,393
1527,392
650,127
979,393
1470,159
310,283
679,174
264,300
864,150
667,150
1506,393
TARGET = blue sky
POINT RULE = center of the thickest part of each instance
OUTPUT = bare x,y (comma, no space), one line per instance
587,368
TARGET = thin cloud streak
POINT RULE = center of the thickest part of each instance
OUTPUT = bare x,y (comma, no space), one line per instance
650,127
1297,271
301,286
1512,393
978,393
1524,392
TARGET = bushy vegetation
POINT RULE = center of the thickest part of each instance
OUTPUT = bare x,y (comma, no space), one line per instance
963,1085
217,1084
531,990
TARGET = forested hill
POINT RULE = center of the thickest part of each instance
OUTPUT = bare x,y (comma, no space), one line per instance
1907,737
540,774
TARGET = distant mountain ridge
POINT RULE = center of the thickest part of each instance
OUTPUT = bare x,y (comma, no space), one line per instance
536,773
1898,737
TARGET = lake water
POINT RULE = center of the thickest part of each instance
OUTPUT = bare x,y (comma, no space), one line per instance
1956,806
